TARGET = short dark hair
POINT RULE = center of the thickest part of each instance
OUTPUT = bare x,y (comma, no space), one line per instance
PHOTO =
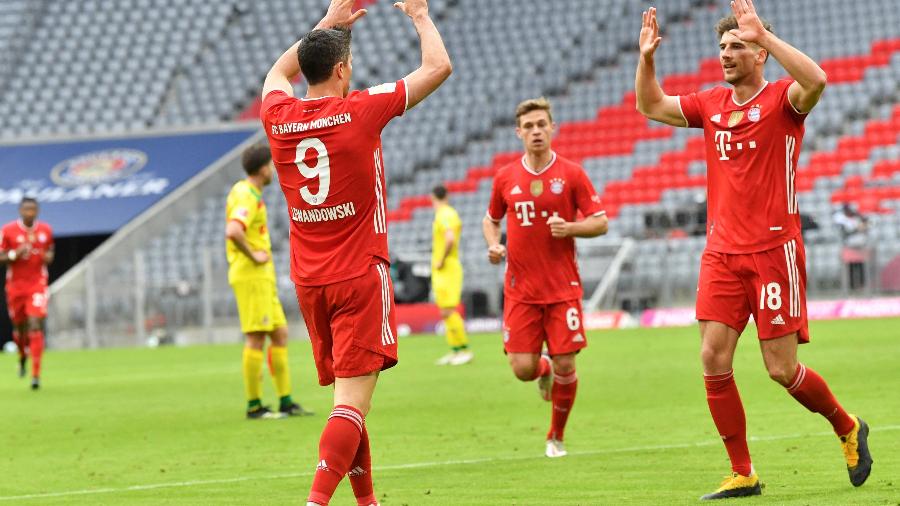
729,23
439,191
255,158
27,200
320,50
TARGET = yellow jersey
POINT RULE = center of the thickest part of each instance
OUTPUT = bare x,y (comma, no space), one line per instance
445,218
245,205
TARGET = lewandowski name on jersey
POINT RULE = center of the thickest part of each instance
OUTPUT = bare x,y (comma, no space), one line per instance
326,214
327,151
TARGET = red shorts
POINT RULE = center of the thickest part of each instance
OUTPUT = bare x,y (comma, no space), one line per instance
352,325
28,304
527,326
770,285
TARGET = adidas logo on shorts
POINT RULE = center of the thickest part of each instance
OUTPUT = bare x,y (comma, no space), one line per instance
322,466
778,320
356,471
578,338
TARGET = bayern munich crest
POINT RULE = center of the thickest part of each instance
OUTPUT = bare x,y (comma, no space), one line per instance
98,167
556,185
754,114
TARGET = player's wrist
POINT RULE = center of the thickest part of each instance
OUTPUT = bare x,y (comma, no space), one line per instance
420,17
765,40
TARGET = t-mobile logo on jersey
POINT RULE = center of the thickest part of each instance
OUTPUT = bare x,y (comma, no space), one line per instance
724,145
525,212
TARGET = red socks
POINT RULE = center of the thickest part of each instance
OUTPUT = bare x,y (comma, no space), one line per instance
19,344
807,387
812,392
543,368
563,397
36,347
338,448
728,414
361,473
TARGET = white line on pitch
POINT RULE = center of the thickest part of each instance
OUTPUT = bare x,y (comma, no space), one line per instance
416,465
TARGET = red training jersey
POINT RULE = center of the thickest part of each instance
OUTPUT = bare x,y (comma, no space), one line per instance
28,273
328,155
751,160
541,269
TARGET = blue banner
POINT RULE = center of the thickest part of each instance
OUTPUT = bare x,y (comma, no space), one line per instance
95,187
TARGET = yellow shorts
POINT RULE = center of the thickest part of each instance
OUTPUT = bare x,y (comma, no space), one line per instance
258,306
447,286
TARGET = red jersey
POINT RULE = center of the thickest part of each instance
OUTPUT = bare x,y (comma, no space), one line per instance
28,273
751,159
328,155
541,269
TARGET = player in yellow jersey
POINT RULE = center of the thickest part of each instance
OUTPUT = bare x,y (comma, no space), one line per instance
447,276
251,275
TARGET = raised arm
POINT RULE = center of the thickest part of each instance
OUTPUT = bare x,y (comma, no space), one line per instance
287,67
652,102
435,67
809,78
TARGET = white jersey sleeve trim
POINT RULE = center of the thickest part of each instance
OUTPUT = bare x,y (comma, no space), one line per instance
406,96
599,213
686,122
488,216
792,104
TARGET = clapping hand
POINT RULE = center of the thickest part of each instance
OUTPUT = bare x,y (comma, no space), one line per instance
413,8
750,27
340,13
650,38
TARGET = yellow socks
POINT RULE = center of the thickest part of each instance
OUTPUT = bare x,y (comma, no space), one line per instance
456,331
252,366
281,372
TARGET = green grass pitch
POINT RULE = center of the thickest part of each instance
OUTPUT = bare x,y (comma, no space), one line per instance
166,426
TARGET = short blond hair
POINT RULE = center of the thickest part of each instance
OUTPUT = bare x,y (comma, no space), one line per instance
534,104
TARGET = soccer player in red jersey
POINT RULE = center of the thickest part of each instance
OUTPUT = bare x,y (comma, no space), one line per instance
26,247
541,196
327,150
754,262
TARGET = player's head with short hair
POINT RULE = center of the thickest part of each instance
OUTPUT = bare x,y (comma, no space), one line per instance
739,59
534,123
533,104
257,162
439,194
28,209
325,55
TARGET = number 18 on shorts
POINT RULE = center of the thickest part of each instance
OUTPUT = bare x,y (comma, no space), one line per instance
769,285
